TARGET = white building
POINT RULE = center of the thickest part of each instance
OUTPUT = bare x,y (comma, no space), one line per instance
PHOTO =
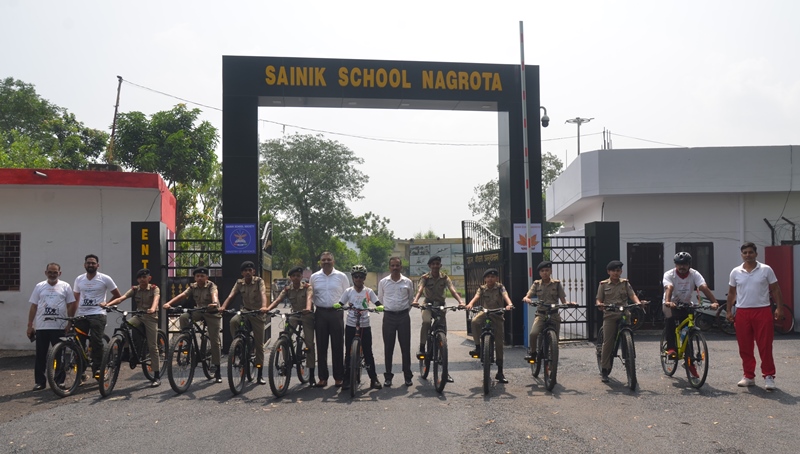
60,216
706,201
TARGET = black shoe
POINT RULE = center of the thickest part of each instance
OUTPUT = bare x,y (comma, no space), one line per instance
375,384
260,379
500,378
420,354
38,387
346,384
217,376
531,358
450,379
604,376
387,383
409,382
155,383
475,353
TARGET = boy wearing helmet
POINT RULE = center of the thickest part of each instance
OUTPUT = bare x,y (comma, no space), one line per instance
680,283
359,296
618,291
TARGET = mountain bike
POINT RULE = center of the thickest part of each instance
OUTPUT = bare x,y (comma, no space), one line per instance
68,359
547,346
707,318
289,352
487,346
242,352
124,347
436,346
623,341
185,353
692,347
356,356
785,324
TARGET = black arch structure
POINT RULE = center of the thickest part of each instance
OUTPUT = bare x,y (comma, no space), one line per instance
252,82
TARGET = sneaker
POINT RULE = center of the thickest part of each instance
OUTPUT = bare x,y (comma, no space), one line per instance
387,383
475,353
409,382
501,378
693,370
346,385
744,382
420,355
769,383
450,379
155,383
604,376
375,384
531,358
672,354
38,387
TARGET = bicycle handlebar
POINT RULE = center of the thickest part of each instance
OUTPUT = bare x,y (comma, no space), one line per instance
487,311
182,310
432,307
350,307
617,308
550,306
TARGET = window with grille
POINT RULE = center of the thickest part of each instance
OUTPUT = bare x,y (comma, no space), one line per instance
9,261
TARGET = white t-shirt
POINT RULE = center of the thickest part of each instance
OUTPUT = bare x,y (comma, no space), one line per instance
396,295
92,293
752,289
682,289
51,300
328,288
359,300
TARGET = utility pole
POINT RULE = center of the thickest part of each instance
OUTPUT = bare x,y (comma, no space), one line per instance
579,121
110,151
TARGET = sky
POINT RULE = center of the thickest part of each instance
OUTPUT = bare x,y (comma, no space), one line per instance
656,74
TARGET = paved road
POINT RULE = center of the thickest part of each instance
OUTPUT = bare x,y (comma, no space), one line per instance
581,415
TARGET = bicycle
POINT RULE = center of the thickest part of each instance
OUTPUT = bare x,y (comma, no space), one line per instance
121,345
692,347
547,346
486,349
68,359
242,352
785,324
185,353
707,318
624,339
639,313
357,361
289,352
436,346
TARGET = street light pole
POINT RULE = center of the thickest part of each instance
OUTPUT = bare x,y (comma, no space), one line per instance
579,121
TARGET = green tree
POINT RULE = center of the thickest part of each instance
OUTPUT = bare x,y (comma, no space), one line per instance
485,204
375,243
173,144
429,235
36,133
306,183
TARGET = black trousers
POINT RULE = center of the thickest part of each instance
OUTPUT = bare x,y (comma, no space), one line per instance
329,325
670,323
366,347
95,325
397,325
44,339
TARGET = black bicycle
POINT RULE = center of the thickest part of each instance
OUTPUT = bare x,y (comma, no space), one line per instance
68,359
623,341
242,352
357,362
289,352
129,344
547,346
436,346
486,349
185,353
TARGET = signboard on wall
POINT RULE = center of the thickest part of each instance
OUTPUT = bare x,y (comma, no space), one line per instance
240,239
146,250
522,242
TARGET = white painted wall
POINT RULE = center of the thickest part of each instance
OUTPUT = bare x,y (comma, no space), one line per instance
62,224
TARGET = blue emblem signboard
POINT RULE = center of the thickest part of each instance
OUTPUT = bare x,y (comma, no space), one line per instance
240,239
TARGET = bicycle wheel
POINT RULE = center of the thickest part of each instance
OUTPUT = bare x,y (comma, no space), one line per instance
237,363
722,321
696,359
487,342
629,357
550,363
64,368
599,350
425,363
785,324
280,367
250,365
181,363
109,367
637,317
300,356
147,367
205,357
356,360
440,362
670,365
703,322
537,365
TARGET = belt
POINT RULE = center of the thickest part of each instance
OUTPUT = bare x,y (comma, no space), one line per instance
325,308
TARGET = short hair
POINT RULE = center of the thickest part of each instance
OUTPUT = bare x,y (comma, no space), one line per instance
434,258
91,256
395,259
52,264
324,253
747,245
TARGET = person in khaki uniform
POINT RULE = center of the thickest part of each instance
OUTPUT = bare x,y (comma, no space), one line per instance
616,291
145,298
300,295
433,285
205,294
548,291
491,295
254,298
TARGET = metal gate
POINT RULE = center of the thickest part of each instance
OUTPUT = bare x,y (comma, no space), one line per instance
482,250
182,257
568,254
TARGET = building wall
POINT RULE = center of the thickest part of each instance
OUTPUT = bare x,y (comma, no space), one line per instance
62,224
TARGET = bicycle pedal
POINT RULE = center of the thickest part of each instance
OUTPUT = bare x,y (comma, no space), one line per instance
420,357
531,361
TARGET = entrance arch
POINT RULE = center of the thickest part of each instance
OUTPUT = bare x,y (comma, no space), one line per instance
252,82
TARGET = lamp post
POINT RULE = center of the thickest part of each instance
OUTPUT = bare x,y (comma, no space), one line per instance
579,121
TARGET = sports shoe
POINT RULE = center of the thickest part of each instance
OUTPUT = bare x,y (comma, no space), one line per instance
155,383
408,382
693,370
500,378
450,379
375,384
604,376
38,387
346,384
769,383
672,354
531,358
744,382
475,353
420,355
387,383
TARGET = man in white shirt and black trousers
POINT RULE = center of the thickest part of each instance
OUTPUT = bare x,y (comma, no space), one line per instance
396,292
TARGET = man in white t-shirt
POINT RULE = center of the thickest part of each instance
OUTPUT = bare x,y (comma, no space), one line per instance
680,284
50,298
90,290
750,287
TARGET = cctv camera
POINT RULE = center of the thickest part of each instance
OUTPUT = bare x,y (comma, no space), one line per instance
545,121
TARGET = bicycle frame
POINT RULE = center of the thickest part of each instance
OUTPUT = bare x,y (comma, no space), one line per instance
688,322
126,330
291,333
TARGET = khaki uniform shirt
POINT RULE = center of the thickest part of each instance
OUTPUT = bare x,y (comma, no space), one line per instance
619,293
203,296
143,299
251,293
297,297
491,298
434,287
547,294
